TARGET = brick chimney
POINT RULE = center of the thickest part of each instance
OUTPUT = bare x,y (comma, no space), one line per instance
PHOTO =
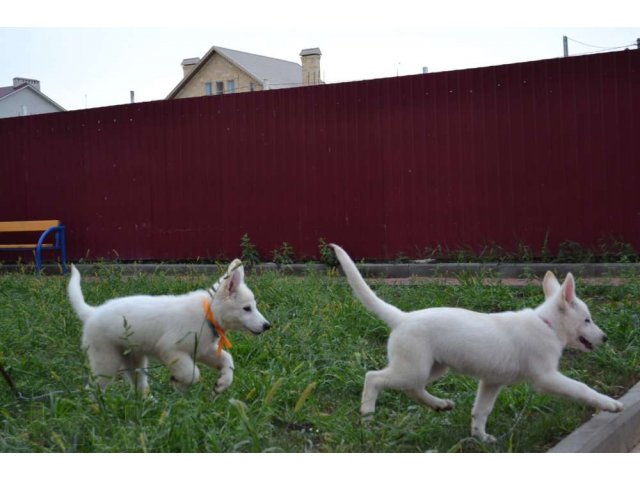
189,64
17,81
310,58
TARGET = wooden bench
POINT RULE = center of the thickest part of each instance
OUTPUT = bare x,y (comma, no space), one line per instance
47,228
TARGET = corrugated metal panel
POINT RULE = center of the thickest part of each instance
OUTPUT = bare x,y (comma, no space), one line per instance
496,155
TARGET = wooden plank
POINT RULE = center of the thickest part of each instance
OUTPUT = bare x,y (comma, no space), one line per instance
25,246
28,226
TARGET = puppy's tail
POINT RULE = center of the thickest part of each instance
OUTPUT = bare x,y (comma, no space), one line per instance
388,313
81,308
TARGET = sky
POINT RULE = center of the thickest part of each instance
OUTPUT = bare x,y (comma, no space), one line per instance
87,55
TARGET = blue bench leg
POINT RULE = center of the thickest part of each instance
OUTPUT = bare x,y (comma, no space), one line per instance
38,259
63,251
60,244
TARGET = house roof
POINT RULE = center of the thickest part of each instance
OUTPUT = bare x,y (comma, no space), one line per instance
6,91
278,73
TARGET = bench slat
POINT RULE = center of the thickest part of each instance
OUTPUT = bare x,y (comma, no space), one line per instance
26,245
28,226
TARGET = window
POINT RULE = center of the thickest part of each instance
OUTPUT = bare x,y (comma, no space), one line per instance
231,86
208,88
252,87
219,88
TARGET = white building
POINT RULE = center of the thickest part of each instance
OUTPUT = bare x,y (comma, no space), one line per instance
25,98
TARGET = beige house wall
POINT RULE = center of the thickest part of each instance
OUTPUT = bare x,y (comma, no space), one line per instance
217,69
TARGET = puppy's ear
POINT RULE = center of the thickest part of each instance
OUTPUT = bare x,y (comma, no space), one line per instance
234,280
569,289
550,284
234,265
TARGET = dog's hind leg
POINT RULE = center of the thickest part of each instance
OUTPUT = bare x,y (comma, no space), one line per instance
374,383
421,396
395,377
482,407
409,370
184,371
105,362
136,372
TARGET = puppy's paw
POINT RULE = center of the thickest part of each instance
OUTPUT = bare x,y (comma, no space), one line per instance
613,406
484,437
488,438
445,405
221,385
478,432
366,417
218,389
178,385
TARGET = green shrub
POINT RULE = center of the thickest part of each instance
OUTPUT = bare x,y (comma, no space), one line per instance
327,255
249,255
283,255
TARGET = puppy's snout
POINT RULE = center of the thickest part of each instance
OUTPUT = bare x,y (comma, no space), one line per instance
605,339
266,327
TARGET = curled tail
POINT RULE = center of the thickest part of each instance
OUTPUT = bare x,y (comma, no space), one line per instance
81,308
388,313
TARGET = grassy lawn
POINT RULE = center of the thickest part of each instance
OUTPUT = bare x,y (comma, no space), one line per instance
297,387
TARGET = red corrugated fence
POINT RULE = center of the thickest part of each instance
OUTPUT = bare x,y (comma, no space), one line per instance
499,155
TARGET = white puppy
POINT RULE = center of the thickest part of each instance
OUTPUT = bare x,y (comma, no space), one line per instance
180,330
498,348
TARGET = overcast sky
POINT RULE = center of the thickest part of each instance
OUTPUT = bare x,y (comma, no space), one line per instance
82,60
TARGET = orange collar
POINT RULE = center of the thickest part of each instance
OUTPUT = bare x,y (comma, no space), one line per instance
224,341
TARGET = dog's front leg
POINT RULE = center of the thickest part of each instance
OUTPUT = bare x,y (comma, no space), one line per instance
482,407
558,384
224,363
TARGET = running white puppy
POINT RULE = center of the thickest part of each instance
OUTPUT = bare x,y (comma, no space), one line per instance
180,330
498,348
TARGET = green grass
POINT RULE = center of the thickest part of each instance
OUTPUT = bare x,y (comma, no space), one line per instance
297,387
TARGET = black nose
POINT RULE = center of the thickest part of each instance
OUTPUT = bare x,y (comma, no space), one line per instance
266,327
605,339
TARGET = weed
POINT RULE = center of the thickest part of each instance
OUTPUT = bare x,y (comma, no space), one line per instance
438,253
402,258
572,252
545,253
464,254
492,252
284,255
524,253
249,255
613,249
327,255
